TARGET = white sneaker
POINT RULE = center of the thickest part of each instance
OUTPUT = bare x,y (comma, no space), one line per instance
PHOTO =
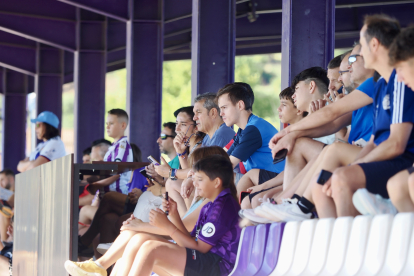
287,211
370,204
250,215
262,213
103,247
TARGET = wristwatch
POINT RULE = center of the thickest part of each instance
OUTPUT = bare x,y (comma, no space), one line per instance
173,174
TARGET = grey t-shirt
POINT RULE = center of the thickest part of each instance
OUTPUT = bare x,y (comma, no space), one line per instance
221,137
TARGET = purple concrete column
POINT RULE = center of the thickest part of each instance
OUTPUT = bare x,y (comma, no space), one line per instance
14,118
144,73
308,33
89,80
49,79
213,45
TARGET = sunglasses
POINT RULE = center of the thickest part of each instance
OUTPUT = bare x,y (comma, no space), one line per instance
341,72
352,59
165,136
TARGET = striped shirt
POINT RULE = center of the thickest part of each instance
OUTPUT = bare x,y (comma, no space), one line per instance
120,151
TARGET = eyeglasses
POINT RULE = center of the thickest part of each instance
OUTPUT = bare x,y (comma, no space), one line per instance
352,59
165,136
341,72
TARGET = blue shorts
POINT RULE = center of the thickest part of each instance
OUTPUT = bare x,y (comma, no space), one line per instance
378,173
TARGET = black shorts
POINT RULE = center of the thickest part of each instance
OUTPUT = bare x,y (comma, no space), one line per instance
377,174
265,176
199,264
410,170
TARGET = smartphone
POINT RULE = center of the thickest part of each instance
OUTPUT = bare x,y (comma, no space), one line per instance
242,196
144,173
166,198
280,156
323,177
153,161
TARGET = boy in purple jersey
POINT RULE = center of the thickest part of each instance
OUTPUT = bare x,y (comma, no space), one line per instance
120,151
211,248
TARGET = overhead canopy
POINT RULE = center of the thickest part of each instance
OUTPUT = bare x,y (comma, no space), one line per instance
258,28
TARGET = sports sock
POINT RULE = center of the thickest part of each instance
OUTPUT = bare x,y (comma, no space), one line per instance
98,264
295,196
305,205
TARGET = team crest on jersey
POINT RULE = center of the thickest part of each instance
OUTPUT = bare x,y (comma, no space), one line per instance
208,230
122,146
386,102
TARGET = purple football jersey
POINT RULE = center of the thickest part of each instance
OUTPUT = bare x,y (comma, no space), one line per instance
218,225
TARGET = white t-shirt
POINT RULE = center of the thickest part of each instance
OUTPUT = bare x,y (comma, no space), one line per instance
51,149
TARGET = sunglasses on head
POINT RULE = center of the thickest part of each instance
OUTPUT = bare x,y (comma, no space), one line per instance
165,136
341,72
352,59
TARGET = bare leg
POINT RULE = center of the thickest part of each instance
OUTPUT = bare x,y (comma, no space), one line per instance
250,179
132,249
411,186
86,215
398,190
156,255
174,191
305,149
115,252
325,205
345,181
4,224
4,266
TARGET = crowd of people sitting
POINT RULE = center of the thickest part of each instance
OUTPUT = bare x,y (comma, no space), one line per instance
347,148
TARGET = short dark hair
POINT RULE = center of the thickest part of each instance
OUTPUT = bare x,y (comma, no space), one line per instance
120,113
186,109
87,151
238,91
100,141
218,166
403,46
50,132
287,94
335,62
171,126
136,152
382,27
7,172
208,101
316,74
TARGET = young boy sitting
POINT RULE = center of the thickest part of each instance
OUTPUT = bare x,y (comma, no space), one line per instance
120,151
288,114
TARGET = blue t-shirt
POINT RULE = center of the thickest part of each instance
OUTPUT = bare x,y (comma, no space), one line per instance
251,146
221,137
393,104
361,126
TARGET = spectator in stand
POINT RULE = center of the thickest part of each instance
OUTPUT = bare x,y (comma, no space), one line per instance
86,155
208,120
134,225
7,187
333,74
97,153
115,208
288,114
235,101
187,140
327,120
7,180
391,146
338,153
50,148
6,253
120,151
401,186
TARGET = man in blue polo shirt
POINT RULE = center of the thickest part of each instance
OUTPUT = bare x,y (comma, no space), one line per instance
250,146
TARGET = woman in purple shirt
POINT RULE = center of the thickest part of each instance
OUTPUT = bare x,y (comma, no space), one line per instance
211,248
